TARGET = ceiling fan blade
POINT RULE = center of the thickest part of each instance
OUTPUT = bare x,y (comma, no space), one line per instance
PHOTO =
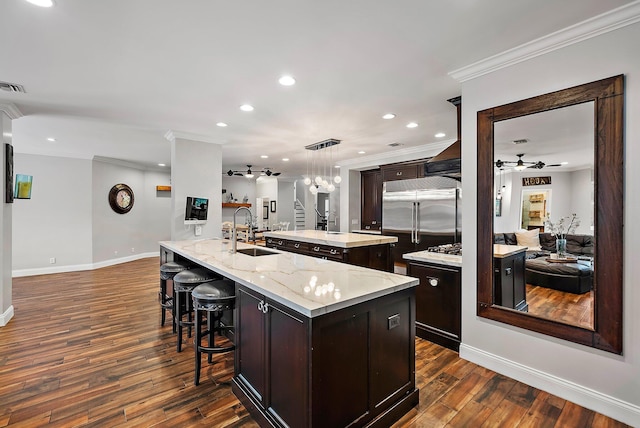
239,174
555,164
275,174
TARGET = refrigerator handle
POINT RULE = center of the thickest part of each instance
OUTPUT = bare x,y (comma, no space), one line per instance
413,225
417,222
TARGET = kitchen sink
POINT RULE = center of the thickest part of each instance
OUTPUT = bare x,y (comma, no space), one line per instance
331,232
253,252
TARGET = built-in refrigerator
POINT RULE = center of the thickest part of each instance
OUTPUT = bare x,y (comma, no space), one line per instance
421,212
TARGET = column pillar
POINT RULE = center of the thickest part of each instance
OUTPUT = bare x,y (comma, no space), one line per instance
196,170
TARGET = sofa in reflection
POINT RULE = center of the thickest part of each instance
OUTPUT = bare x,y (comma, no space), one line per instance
575,277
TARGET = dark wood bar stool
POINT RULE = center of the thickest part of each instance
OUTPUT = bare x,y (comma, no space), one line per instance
211,299
167,272
183,284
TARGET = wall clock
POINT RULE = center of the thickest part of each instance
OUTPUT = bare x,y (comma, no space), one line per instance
121,198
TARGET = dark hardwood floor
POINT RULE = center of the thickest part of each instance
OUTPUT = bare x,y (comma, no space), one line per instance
569,308
86,349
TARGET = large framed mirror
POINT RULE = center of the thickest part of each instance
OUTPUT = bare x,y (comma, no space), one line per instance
584,126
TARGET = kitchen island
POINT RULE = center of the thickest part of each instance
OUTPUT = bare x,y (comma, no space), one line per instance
318,343
368,250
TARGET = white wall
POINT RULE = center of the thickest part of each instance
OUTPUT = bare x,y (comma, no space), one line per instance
285,205
239,187
56,222
137,232
598,380
267,188
6,307
196,170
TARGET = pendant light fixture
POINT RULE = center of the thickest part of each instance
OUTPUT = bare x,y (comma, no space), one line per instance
321,161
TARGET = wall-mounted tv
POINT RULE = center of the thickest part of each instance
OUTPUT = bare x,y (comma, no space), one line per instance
196,210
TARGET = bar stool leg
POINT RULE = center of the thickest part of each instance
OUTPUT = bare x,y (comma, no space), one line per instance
198,333
177,306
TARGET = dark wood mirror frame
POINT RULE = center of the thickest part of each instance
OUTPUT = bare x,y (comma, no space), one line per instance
608,98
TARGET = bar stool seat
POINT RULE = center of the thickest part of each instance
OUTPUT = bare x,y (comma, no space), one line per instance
211,298
167,272
183,283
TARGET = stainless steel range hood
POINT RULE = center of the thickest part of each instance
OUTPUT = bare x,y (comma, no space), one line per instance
447,163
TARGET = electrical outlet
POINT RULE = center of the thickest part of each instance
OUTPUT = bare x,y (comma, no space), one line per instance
52,260
133,250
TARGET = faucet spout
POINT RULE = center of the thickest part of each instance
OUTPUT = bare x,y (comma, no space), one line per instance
234,232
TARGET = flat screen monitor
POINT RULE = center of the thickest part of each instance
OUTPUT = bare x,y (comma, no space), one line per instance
196,210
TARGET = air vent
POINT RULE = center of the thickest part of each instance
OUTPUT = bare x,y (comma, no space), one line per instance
394,144
12,87
522,141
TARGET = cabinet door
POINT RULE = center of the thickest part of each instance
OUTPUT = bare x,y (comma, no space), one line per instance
371,199
250,341
438,299
288,365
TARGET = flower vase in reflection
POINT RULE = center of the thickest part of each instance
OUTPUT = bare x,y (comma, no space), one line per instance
561,248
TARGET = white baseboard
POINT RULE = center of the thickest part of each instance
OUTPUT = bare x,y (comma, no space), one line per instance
585,397
6,316
76,268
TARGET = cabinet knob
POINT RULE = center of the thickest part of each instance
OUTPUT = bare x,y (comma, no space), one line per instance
507,271
398,173
433,282
367,227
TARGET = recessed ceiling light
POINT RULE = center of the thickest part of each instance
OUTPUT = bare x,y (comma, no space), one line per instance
7,134
412,125
440,135
42,3
337,167
389,116
246,107
361,152
161,164
285,159
564,163
287,81
51,139
221,124
264,156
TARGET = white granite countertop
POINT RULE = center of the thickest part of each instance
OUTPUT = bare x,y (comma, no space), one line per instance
501,251
308,285
436,258
335,239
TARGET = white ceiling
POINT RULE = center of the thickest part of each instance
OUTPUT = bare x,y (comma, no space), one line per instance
110,78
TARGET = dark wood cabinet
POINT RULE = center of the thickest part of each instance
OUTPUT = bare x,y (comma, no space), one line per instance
371,199
351,367
371,256
403,171
509,281
438,303
271,360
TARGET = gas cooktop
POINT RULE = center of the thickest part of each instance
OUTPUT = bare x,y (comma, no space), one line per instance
453,249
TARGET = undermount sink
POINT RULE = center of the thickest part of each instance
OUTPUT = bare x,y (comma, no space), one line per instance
253,252
331,232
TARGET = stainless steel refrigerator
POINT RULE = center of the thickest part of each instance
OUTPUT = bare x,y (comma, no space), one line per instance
421,212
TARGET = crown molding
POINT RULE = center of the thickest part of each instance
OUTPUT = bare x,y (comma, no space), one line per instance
592,27
398,155
172,135
11,110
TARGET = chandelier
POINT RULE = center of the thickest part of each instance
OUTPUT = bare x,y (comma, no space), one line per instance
320,159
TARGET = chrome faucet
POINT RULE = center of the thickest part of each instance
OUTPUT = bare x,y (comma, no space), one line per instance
234,232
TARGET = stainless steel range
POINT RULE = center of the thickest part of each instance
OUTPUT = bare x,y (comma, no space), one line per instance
453,249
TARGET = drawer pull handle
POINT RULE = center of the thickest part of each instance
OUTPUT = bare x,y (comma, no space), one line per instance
316,249
296,245
261,306
334,252
265,308
398,173
279,242
507,271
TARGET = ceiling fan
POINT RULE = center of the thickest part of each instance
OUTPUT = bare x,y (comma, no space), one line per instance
250,174
520,165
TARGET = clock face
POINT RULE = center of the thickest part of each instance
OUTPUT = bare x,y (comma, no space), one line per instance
121,198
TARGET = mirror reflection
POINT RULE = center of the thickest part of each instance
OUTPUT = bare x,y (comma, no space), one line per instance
544,194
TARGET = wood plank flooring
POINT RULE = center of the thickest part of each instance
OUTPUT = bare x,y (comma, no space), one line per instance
86,349
569,308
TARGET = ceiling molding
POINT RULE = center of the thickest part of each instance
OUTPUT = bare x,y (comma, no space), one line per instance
398,155
592,27
11,110
172,135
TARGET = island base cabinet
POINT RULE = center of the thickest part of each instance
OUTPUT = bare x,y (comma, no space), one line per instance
350,367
